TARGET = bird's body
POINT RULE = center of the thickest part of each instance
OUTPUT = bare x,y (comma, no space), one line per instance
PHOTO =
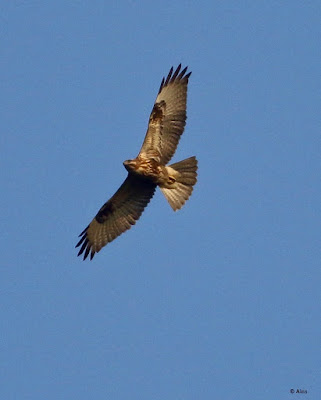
152,171
148,170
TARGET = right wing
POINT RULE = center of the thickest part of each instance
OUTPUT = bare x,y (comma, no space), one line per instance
168,117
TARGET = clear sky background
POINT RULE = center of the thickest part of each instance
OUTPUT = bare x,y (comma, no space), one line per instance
220,300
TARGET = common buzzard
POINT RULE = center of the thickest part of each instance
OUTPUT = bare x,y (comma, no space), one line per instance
148,170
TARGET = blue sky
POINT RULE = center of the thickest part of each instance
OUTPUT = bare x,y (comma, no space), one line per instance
219,300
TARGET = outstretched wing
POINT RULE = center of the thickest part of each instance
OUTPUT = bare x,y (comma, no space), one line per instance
117,215
168,117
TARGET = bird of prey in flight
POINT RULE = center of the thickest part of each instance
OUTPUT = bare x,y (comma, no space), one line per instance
149,169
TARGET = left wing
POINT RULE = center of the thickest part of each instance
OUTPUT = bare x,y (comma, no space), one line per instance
117,215
168,117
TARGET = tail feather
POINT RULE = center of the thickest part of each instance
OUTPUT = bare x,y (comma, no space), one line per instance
182,179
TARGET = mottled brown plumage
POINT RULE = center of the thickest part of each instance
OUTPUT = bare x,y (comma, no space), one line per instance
148,170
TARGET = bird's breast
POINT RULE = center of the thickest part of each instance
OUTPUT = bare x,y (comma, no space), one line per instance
149,169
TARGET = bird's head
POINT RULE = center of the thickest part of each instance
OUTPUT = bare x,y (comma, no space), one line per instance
130,165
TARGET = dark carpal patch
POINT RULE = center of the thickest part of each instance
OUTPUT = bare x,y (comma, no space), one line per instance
104,212
158,111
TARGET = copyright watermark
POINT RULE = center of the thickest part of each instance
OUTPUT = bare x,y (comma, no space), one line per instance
300,391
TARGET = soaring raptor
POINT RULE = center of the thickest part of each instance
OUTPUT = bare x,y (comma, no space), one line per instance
149,169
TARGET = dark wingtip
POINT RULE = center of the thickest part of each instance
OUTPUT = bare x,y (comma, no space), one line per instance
86,252
80,241
161,85
176,76
168,76
85,245
176,73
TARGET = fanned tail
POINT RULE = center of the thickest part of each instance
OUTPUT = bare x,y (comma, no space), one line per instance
182,179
